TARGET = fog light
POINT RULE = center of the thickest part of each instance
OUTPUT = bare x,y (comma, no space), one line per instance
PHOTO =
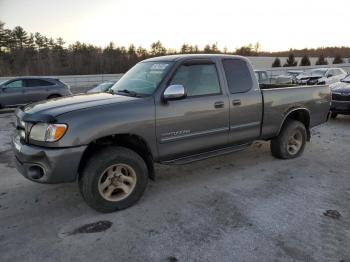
35,172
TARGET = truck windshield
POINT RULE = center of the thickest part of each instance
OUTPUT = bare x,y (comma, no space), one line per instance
142,79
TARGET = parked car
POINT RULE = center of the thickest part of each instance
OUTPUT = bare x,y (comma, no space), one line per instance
293,74
279,79
103,87
341,97
24,90
321,76
169,110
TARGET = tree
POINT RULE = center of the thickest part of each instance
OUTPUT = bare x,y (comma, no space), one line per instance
39,40
245,50
321,60
276,62
20,37
157,49
185,49
3,36
214,48
305,61
207,49
338,60
141,52
257,47
290,61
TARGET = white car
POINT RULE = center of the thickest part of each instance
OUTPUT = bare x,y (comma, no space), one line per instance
320,76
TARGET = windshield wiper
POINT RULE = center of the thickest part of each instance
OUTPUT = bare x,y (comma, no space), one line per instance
126,91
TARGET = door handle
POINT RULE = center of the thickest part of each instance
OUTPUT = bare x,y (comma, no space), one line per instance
219,104
236,102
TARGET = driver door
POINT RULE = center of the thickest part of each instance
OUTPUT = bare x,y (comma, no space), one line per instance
13,93
198,122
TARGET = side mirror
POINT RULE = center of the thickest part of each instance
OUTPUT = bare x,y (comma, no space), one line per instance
330,75
3,88
174,92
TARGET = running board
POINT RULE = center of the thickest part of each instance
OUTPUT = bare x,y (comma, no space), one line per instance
205,155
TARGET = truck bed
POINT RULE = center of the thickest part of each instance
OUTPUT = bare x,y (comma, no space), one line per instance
279,100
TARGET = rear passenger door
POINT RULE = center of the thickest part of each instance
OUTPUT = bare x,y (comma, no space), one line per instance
37,89
198,122
245,101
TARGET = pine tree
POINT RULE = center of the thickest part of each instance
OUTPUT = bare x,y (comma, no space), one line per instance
207,49
290,61
157,49
20,37
321,60
338,60
276,62
185,49
3,36
305,61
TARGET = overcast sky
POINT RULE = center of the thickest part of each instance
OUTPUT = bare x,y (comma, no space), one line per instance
275,24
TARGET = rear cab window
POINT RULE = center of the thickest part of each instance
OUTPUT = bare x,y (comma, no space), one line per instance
198,78
238,75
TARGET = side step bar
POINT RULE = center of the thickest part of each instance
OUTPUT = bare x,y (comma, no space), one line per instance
205,155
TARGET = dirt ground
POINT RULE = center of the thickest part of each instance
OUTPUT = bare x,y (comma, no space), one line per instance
247,206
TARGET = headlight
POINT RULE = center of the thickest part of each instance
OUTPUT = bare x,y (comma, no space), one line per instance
47,132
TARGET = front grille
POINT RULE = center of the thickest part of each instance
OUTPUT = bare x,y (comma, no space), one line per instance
340,97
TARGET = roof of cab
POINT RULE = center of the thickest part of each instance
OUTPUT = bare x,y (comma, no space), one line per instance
169,58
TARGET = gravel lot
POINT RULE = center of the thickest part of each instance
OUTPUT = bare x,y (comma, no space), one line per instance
246,206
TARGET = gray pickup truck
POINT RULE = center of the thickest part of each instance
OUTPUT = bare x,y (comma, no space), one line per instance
170,110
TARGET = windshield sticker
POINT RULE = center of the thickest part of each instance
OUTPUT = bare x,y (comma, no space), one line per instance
159,66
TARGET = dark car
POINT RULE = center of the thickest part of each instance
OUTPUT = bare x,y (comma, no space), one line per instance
103,87
341,97
24,90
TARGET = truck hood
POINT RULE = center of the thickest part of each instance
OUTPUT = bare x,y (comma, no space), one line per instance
58,106
341,87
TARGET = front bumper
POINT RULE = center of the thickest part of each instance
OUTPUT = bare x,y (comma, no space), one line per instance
57,165
340,107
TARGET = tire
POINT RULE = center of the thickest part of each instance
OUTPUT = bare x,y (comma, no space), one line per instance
100,168
290,142
334,115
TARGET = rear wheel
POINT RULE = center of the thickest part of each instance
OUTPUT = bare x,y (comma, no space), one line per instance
290,143
334,115
113,179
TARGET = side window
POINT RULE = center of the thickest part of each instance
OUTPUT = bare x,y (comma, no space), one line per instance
238,75
15,84
37,83
198,79
331,72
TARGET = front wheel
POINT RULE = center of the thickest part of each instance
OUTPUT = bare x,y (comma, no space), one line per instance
290,143
113,179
